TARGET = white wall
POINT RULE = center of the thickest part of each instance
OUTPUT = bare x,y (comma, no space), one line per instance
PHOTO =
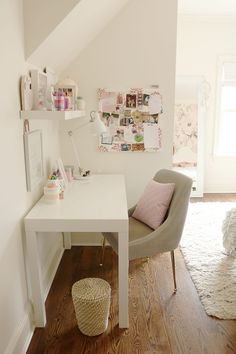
15,201
137,49
200,42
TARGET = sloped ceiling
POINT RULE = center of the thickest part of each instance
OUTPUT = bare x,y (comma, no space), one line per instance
80,26
40,19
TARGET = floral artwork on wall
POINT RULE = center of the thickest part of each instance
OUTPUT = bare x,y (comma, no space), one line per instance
132,120
185,134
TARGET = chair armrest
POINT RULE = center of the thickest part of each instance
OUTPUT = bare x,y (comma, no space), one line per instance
131,210
162,239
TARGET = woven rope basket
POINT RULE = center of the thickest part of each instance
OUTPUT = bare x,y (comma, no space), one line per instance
91,299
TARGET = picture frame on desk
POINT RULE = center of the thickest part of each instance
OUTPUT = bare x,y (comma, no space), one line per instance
62,172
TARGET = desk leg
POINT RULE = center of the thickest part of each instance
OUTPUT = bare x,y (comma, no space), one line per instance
67,240
35,279
123,280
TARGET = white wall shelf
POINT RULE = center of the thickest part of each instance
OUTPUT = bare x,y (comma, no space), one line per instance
53,115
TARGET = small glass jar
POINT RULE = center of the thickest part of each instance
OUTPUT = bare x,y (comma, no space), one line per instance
80,102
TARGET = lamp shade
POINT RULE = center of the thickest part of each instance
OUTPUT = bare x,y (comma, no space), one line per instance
99,125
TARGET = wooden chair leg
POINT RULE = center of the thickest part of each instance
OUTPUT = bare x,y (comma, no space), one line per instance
103,250
173,269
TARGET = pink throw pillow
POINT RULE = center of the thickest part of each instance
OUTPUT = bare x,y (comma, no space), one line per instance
153,204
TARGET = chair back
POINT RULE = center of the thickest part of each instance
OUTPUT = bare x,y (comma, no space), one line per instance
178,208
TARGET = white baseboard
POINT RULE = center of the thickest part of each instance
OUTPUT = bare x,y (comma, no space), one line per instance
51,270
86,244
220,188
23,333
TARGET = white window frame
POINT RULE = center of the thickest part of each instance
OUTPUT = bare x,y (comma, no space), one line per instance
220,83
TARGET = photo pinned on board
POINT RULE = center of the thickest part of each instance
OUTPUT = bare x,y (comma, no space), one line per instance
146,98
137,116
138,137
127,113
106,139
125,147
106,115
131,101
125,121
138,147
115,115
116,147
106,118
119,135
120,99
145,117
155,118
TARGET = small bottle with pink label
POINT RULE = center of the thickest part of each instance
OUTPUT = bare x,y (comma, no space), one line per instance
59,100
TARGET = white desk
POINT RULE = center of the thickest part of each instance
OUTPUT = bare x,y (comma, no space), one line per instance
94,206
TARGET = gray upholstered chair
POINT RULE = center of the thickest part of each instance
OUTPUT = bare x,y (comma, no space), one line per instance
146,242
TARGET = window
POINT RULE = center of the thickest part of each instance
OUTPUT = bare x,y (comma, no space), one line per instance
226,129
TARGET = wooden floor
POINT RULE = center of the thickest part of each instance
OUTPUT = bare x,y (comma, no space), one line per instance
159,321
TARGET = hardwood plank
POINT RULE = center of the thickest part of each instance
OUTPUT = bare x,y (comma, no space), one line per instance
190,329
215,197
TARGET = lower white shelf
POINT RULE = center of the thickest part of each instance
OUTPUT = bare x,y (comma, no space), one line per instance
53,115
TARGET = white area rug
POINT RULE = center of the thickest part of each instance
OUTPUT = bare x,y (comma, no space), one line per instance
212,271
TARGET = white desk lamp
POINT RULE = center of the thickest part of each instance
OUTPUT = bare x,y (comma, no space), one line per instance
99,128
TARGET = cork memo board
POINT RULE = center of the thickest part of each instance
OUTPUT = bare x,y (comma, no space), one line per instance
132,120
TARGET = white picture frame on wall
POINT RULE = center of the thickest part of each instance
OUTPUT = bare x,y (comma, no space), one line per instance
33,148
